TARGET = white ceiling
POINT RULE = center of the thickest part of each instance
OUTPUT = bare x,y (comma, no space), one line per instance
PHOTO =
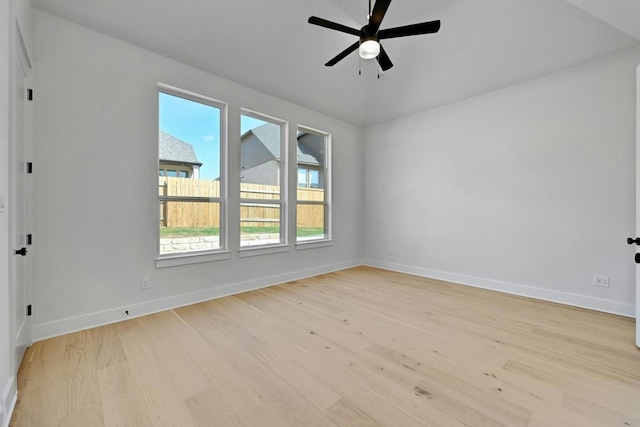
268,45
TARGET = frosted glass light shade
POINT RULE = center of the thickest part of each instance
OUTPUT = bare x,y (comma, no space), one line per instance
369,49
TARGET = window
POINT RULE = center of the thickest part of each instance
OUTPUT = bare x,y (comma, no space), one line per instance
313,207
191,150
263,167
182,173
308,178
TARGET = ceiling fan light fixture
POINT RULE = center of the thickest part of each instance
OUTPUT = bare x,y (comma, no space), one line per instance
369,49
369,36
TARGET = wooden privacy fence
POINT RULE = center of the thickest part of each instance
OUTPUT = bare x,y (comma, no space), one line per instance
193,213
189,213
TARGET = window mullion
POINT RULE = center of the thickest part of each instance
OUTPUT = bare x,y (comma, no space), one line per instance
190,199
262,201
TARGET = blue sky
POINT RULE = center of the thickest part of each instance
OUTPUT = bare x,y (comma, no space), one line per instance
199,125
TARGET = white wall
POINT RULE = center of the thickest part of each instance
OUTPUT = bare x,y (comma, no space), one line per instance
529,189
621,14
96,183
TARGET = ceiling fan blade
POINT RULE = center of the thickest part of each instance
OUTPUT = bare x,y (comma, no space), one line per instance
379,10
333,26
383,60
339,57
410,30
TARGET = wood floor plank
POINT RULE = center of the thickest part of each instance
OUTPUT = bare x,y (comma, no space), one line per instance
345,413
344,354
586,357
265,359
358,347
446,387
81,391
109,351
601,414
122,400
162,328
209,409
533,372
266,396
162,401
375,396
40,383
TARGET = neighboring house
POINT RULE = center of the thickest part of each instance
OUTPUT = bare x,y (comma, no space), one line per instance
261,157
177,157
310,160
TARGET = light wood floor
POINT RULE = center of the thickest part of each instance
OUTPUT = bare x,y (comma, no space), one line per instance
360,347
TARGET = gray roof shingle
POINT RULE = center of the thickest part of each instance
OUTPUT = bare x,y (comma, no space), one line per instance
172,149
269,135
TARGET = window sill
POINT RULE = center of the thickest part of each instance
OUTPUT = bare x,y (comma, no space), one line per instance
262,250
313,244
191,258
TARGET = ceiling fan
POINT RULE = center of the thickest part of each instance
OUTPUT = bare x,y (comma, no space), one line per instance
368,44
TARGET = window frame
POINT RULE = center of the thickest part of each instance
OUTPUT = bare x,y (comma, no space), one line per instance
283,179
327,202
198,256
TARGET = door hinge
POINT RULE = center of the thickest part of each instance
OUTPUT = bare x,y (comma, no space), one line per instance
29,310
29,94
29,167
29,239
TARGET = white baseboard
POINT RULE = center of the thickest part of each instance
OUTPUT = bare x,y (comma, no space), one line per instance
576,300
8,403
60,327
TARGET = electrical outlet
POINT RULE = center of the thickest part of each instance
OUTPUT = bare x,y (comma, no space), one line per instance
146,282
601,281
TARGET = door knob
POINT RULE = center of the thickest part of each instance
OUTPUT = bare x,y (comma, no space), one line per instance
631,240
637,258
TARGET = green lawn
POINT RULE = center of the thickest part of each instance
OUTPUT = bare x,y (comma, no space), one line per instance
310,231
189,231
215,231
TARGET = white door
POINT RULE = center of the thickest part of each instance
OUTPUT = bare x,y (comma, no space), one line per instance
638,204
19,198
